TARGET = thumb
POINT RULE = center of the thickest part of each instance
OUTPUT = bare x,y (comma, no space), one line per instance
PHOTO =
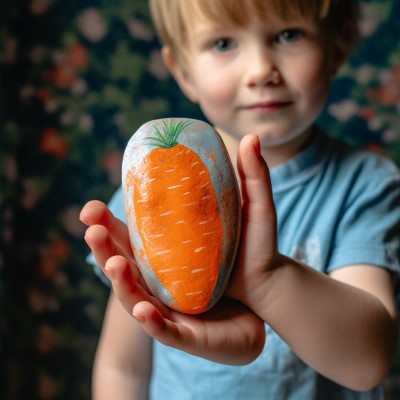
258,245
258,202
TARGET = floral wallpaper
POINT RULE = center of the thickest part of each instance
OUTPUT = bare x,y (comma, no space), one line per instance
77,78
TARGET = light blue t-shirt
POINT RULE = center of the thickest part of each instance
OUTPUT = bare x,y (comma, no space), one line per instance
336,206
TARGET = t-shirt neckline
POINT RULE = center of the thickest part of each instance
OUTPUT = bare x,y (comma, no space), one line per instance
304,165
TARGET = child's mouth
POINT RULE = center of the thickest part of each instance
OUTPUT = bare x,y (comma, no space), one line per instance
268,106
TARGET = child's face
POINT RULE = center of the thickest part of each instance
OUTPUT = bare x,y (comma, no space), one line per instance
271,79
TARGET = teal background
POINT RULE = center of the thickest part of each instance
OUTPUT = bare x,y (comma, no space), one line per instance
77,78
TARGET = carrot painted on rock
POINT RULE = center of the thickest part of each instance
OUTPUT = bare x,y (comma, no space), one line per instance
183,210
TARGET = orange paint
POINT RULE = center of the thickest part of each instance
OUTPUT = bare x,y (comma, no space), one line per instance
178,219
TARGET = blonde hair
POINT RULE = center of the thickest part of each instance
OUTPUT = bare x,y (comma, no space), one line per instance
338,18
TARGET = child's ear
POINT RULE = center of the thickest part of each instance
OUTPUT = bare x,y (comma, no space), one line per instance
180,74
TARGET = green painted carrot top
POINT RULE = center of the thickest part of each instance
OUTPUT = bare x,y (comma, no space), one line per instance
167,138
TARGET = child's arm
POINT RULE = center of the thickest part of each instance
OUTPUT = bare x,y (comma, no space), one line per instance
123,359
344,326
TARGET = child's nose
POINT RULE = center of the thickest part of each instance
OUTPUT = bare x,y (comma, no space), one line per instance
261,69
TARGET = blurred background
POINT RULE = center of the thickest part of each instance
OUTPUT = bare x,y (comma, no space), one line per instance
77,78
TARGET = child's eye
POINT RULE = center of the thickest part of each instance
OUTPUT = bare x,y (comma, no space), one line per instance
290,35
222,45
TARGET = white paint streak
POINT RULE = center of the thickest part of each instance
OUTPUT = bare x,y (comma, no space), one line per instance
206,222
162,271
174,187
166,213
195,271
194,293
162,252
190,204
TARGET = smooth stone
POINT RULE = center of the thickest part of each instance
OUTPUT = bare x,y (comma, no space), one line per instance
183,209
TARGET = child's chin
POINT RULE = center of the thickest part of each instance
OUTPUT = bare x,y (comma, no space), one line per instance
278,140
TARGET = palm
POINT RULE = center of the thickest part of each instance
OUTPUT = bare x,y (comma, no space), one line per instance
229,327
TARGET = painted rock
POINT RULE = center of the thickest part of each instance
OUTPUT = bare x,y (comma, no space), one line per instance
183,210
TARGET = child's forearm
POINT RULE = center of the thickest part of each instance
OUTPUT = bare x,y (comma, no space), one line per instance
109,383
122,366
345,333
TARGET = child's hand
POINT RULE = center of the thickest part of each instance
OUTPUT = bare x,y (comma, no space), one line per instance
107,236
229,333
258,254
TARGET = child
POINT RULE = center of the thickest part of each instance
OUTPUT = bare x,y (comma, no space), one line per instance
320,236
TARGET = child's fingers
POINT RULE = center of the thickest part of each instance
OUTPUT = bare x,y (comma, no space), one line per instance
128,284
97,213
123,282
254,173
163,329
258,204
103,247
258,245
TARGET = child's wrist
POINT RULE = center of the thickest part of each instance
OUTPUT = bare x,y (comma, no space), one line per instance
268,287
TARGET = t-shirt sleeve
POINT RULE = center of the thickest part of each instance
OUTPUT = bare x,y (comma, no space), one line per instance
116,205
369,230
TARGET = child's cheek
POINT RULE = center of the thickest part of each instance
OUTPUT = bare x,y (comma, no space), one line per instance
215,92
314,83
